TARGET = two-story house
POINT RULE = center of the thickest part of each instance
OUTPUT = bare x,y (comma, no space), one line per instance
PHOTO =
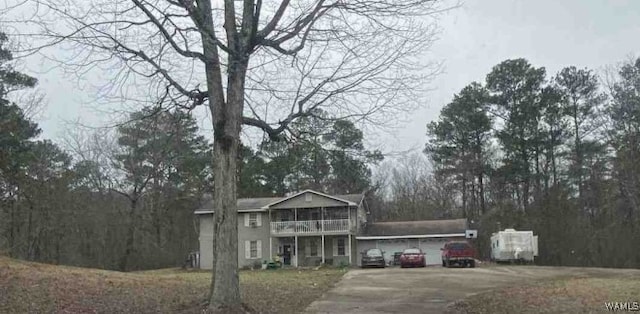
304,229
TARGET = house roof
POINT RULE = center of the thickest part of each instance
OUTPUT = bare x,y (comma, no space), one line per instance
354,198
335,197
419,228
243,204
262,203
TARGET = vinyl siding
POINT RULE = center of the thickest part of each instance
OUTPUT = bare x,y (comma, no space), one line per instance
206,241
245,233
248,233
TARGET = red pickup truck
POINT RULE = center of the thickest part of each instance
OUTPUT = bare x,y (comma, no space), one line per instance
458,252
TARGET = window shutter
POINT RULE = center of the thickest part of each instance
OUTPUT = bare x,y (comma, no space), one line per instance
247,249
259,246
259,219
335,247
246,219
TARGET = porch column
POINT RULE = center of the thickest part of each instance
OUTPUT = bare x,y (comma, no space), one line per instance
322,221
322,249
349,225
296,251
270,237
350,249
295,224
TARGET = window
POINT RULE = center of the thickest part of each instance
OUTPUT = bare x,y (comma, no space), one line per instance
374,252
458,246
253,219
412,251
341,247
253,249
313,247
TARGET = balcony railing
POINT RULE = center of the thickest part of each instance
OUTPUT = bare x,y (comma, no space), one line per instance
310,226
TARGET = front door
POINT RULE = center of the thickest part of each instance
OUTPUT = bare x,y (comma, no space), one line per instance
286,254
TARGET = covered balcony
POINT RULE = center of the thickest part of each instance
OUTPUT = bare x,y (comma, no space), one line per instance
310,221
330,226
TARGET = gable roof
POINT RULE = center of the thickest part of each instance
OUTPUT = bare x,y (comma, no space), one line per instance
450,227
263,203
334,197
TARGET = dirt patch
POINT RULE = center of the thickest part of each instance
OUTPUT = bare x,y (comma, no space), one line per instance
38,288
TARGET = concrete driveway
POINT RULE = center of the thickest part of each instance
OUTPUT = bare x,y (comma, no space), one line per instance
431,289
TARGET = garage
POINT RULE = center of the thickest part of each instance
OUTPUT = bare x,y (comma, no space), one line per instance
395,236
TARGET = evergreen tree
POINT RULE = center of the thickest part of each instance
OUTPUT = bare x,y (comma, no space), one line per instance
324,154
459,143
516,89
581,100
16,135
158,152
625,134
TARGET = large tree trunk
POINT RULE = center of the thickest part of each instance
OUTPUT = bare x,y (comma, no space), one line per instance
227,119
226,287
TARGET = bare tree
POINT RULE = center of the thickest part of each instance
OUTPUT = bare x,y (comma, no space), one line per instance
356,59
408,188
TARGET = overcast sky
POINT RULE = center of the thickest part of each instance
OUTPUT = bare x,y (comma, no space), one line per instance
475,37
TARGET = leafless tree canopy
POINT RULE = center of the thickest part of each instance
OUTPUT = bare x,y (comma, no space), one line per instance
356,59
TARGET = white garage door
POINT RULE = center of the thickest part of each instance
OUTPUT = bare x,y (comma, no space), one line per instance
432,251
391,246
431,247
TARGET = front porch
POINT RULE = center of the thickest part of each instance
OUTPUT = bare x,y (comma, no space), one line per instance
310,251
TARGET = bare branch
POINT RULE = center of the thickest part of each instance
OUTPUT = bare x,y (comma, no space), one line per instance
167,36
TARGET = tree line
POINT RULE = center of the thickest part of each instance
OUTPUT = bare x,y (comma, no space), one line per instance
557,154
114,199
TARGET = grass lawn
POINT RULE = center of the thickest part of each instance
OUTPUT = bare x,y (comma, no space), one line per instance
569,295
39,288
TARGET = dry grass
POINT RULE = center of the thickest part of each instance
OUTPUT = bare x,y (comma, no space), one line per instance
571,295
39,288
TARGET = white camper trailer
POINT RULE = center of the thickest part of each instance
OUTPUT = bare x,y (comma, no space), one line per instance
514,246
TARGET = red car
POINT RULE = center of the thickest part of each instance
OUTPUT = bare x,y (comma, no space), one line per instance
412,258
459,253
